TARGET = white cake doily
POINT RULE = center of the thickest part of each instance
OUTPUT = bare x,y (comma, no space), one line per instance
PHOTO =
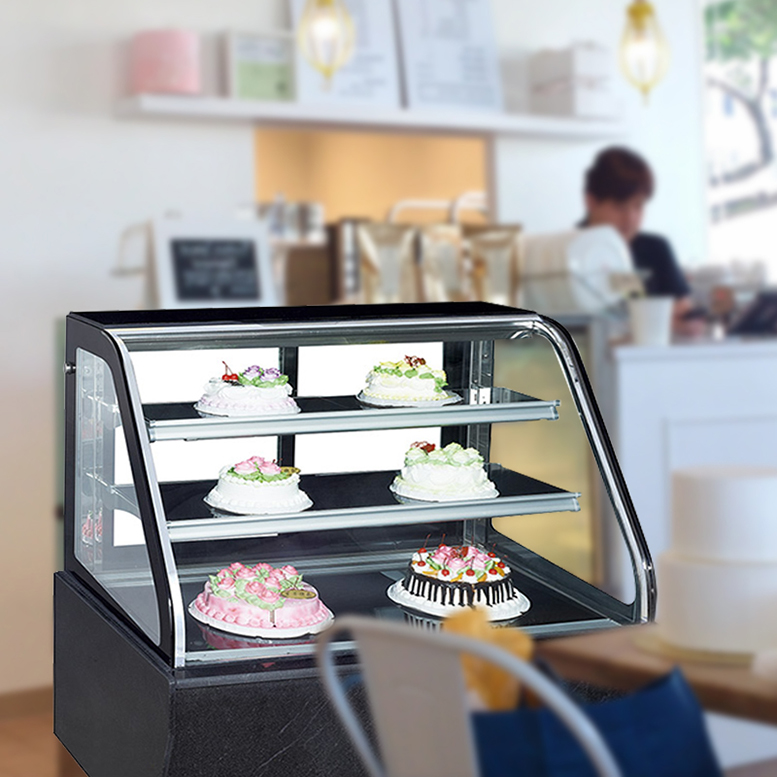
253,631
449,399
214,499
496,612
432,496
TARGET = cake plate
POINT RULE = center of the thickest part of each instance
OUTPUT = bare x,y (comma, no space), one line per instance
253,631
450,399
238,414
410,500
235,507
497,612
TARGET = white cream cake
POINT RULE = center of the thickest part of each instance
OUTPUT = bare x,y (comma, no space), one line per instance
254,391
258,486
409,382
446,474
718,580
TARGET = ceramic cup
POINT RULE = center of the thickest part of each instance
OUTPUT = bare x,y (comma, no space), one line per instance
651,320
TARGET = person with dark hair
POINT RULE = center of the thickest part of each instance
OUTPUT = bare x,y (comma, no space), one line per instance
617,188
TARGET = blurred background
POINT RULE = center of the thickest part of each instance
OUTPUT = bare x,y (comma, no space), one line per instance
176,154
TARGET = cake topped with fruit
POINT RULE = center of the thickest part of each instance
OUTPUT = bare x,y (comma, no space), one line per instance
446,474
444,579
407,383
254,391
261,600
258,486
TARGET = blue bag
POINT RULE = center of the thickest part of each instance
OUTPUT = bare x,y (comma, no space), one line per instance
658,730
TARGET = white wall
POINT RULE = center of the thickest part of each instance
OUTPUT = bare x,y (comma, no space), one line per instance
71,177
539,184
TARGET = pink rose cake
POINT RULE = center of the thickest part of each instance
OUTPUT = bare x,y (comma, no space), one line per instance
258,486
445,579
261,601
255,391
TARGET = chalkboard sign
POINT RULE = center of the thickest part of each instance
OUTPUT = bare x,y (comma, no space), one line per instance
205,264
215,270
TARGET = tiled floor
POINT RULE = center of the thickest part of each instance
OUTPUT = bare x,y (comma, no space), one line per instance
28,748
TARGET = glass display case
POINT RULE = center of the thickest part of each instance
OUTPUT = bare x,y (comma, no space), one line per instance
140,541
357,537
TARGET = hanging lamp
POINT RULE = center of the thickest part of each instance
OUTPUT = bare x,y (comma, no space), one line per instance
326,35
644,52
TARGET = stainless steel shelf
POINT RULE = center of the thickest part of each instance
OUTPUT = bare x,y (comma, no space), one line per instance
180,421
355,500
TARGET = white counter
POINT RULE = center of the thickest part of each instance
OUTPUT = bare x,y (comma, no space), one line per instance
694,403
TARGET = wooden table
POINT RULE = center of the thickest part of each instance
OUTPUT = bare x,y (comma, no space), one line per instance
612,659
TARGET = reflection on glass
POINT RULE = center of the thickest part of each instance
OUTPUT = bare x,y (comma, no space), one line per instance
122,569
555,452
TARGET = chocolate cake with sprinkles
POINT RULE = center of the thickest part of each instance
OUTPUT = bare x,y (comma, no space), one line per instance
442,580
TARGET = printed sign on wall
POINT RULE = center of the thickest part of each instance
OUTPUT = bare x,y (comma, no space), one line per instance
449,54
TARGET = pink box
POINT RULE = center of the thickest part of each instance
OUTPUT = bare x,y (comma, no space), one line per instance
165,62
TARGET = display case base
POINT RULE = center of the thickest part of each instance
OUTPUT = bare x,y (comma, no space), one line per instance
122,712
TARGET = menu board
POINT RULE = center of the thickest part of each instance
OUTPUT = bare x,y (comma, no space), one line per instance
215,270
449,55
371,76
206,263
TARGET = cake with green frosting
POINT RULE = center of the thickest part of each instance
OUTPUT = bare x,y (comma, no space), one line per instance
408,382
443,474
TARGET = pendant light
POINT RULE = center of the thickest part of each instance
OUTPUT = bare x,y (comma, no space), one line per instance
644,54
325,36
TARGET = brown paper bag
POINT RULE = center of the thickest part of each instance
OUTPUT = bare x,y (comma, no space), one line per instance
389,272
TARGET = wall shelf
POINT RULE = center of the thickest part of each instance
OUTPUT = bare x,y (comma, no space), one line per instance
368,119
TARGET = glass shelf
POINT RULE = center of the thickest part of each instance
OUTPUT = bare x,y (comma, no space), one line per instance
363,591
180,421
354,500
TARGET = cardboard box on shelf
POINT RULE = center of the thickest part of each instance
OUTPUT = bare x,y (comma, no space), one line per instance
574,81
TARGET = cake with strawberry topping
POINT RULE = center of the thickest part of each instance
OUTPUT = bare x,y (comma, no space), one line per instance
446,474
254,391
258,486
443,580
407,383
261,601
